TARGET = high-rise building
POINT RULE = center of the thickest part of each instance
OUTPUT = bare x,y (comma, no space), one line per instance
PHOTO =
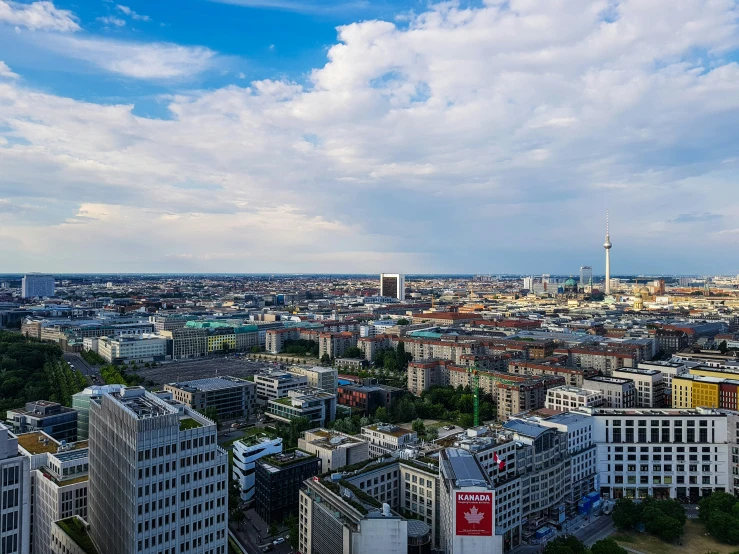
586,276
528,283
392,285
15,510
158,480
607,245
36,285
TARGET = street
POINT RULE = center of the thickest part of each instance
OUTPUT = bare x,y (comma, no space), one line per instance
252,535
599,528
79,363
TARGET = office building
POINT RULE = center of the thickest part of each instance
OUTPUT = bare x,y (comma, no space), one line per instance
230,396
668,370
278,481
37,285
275,339
158,480
386,438
366,398
566,398
313,404
132,349
617,392
246,453
81,404
649,385
663,453
52,418
392,285
71,536
586,276
334,449
15,510
277,384
467,505
324,378
187,342
332,522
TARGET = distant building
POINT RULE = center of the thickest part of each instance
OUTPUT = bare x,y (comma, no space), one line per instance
133,349
386,438
617,392
586,276
335,344
566,398
392,285
277,384
317,406
335,449
246,453
324,378
230,396
52,418
37,285
278,481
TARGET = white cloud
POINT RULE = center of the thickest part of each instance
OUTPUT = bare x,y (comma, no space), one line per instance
110,20
37,16
132,14
138,60
6,72
442,145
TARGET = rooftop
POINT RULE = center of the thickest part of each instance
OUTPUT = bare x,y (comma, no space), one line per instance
39,442
527,429
210,384
144,405
388,429
76,530
462,467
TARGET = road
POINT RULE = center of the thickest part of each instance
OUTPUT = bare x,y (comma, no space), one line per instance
79,363
252,534
599,528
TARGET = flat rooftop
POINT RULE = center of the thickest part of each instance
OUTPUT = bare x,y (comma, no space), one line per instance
388,429
210,384
39,442
527,429
462,467
143,405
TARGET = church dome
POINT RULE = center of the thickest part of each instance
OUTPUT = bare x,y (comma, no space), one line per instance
570,282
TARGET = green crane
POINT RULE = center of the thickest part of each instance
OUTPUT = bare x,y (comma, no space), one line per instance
474,373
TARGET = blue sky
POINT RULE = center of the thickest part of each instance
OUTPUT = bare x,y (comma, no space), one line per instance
368,136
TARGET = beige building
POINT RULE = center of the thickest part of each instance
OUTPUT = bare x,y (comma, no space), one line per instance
335,344
649,384
276,338
386,439
187,342
335,449
324,378
573,376
423,375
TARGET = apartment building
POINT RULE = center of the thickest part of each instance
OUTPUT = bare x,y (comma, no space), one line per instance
275,338
566,398
572,376
230,396
335,450
365,398
668,371
617,392
15,510
335,344
158,480
386,438
277,384
324,378
424,374
649,385
246,453
664,453
694,391
603,359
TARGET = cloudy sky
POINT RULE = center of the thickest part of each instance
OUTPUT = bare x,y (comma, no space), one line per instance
369,135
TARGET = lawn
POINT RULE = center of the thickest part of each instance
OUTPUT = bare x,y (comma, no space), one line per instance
693,541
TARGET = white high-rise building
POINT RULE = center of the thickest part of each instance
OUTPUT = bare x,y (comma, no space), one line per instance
586,276
607,245
37,285
392,285
15,509
158,479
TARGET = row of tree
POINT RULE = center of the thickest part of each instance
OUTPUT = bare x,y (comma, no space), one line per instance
300,347
720,513
663,518
118,375
569,544
92,357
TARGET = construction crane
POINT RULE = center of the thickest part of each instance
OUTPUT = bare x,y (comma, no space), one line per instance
474,373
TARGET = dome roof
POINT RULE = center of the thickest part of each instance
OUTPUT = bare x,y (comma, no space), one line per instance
644,290
570,282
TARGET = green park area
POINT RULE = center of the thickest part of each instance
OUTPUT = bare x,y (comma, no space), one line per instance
694,541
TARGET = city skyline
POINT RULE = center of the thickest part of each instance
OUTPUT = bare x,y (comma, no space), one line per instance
252,135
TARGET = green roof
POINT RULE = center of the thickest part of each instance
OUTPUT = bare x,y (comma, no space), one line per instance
189,423
77,531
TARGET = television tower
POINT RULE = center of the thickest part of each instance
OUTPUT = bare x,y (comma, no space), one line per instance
607,245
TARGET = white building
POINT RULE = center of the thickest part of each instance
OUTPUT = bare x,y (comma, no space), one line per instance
335,449
649,385
324,378
392,285
386,439
35,285
617,392
246,452
661,452
277,384
133,349
158,479
668,370
566,398
15,510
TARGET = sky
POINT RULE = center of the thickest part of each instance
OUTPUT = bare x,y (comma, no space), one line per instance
340,136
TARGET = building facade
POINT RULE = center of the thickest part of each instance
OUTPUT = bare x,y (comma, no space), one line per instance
231,397
52,418
15,510
392,285
246,453
278,481
37,285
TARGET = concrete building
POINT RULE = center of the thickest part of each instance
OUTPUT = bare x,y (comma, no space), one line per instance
81,404
424,374
52,418
664,453
386,439
246,453
617,392
467,505
317,406
602,359
230,396
71,536
649,384
275,338
158,480
668,370
186,342
368,396
335,344
566,398
133,349
335,450
331,523
277,384
278,481
324,378
15,510
573,376
392,285
37,285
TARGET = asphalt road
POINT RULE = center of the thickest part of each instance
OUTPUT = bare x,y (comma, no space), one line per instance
599,528
79,363
252,534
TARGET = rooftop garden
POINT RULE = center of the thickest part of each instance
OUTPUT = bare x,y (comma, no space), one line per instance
287,401
77,531
187,423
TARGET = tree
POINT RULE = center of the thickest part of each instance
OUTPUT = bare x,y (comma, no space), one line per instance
624,514
272,531
432,433
568,544
403,321
717,501
723,347
292,528
418,426
381,415
353,352
607,546
325,359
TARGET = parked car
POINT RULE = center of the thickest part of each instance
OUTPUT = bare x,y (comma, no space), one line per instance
278,540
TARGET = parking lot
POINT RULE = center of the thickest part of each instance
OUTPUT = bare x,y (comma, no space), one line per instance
187,370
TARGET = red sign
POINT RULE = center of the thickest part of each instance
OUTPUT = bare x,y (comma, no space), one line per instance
475,514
